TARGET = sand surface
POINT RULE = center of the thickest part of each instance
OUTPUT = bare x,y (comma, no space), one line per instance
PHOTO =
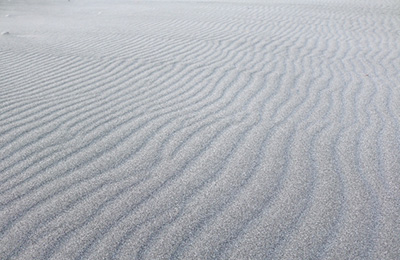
200,129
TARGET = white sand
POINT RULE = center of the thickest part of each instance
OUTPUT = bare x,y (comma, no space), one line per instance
200,129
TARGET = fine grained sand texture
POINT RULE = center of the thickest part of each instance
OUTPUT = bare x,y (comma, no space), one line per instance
200,129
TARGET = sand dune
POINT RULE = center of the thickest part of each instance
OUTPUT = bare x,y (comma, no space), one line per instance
200,129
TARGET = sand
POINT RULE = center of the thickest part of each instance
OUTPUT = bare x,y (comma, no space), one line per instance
200,129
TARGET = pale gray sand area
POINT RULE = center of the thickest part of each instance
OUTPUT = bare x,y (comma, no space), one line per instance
200,129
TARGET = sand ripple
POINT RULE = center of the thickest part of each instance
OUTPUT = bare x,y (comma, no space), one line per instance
200,130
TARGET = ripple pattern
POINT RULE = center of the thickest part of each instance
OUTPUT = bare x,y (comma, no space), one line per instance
200,130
